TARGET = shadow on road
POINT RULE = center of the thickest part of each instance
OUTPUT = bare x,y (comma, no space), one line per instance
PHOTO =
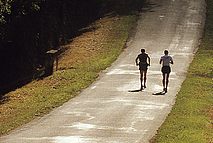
137,90
159,93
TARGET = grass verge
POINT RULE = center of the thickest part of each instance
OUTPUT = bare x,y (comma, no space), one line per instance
191,119
87,54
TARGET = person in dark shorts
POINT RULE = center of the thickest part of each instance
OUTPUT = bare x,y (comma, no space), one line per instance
143,66
166,60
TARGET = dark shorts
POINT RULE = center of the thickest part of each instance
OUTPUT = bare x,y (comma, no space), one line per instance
143,67
166,69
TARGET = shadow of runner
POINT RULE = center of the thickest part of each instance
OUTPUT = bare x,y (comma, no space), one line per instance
159,93
138,90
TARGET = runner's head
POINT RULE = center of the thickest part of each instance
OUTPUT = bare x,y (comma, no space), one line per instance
142,50
166,52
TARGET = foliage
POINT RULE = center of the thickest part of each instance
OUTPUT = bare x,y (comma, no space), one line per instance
21,7
5,8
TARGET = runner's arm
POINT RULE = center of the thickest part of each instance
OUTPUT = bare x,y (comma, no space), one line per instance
171,61
136,61
148,60
160,60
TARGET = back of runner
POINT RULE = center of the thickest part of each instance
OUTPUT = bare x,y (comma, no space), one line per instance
166,60
143,66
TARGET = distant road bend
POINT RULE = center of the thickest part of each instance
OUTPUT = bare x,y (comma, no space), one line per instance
106,112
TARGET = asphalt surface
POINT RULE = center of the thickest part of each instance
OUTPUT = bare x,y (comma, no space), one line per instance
107,112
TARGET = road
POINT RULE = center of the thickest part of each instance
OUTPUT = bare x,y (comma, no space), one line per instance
106,112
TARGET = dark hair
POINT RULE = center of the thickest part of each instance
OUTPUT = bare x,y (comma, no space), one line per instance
166,52
142,50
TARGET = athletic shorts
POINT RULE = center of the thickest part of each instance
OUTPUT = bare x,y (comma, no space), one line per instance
143,66
166,69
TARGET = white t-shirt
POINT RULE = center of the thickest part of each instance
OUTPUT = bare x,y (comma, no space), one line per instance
166,59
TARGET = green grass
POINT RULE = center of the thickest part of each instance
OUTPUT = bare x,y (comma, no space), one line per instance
40,97
190,120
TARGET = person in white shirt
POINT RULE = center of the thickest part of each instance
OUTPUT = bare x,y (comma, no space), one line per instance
166,60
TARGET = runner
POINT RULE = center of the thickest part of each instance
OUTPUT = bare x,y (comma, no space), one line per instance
166,60
143,66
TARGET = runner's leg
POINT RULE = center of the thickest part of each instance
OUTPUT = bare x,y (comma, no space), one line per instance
167,81
141,78
163,81
145,79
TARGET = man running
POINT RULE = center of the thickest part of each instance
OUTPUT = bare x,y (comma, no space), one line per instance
143,66
166,60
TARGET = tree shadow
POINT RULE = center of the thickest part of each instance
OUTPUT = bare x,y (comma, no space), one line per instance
3,99
148,7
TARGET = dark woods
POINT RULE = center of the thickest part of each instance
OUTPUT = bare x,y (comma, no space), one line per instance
29,28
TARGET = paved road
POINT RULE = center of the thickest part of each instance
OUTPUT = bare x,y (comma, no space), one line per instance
106,112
